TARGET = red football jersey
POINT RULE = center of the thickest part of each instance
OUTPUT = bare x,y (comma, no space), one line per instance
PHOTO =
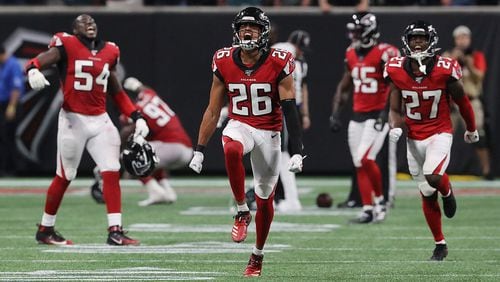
370,89
163,123
426,98
84,73
253,91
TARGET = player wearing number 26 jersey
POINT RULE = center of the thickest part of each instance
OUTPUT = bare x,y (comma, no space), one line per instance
363,77
259,85
425,84
87,71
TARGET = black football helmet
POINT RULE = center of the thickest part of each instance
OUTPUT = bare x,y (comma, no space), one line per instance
420,28
363,30
255,16
138,159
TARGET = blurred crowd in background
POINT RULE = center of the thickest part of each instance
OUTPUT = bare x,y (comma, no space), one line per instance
324,5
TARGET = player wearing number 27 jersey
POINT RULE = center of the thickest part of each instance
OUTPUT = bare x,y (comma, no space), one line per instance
426,83
258,83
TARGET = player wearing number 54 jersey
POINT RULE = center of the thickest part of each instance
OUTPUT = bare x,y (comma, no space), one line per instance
87,68
363,77
425,84
259,85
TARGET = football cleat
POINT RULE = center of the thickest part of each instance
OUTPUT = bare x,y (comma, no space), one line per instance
49,236
117,237
449,205
241,221
364,217
440,252
380,212
254,267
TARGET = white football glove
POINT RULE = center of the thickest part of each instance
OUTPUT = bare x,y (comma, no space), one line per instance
36,79
295,163
224,112
471,136
394,134
196,163
132,84
141,128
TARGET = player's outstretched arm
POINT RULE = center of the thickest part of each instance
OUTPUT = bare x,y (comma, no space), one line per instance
457,93
287,97
209,122
36,79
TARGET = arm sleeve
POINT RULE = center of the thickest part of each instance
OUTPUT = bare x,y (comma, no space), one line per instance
124,103
466,111
292,125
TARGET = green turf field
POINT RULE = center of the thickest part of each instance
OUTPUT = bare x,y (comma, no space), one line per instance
190,240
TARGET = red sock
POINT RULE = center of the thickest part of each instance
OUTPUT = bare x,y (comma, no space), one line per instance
111,191
432,214
160,174
374,175
233,152
263,218
364,186
444,185
55,194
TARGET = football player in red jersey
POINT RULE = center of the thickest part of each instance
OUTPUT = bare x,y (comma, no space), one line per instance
87,67
363,77
425,82
258,83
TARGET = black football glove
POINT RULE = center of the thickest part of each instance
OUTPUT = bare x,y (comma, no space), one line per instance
335,123
381,121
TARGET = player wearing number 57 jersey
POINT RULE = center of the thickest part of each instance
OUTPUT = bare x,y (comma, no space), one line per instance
363,77
87,68
259,85
425,84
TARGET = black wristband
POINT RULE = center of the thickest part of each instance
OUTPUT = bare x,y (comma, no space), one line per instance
293,126
200,148
135,115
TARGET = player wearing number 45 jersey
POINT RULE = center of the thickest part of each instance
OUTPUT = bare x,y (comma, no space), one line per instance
426,83
259,85
87,67
363,77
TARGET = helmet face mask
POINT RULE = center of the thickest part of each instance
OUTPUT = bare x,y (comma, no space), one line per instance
363,30
138,159
253,17
412,43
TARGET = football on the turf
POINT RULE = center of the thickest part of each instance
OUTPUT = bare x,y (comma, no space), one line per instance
324,200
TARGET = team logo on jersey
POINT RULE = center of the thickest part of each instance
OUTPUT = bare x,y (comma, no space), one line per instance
419,79
94,52
248,72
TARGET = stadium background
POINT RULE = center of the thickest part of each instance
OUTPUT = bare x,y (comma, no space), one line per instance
171,49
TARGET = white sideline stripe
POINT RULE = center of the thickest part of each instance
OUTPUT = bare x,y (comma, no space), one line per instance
209,247
222,228
224,182
130,274
306,211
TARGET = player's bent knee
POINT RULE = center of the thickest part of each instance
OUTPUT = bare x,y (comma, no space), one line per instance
426,189
433,180
233,149
70,173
